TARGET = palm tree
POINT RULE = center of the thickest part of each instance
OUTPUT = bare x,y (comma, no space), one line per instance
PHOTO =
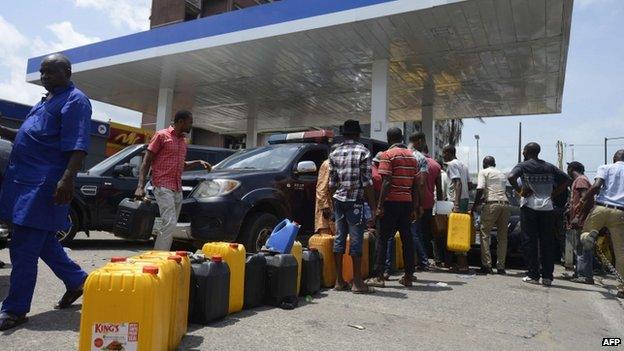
451,131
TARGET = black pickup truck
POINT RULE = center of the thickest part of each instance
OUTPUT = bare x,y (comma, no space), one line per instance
250,191
100,190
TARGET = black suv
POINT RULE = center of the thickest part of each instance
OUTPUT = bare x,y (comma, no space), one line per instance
100,190
249,192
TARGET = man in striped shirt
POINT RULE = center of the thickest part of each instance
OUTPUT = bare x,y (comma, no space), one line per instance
398,205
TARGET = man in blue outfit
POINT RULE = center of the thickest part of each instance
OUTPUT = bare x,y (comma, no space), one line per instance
38,186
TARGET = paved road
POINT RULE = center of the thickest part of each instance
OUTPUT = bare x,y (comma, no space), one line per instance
485,313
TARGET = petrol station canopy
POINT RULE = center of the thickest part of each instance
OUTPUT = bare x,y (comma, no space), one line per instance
299,63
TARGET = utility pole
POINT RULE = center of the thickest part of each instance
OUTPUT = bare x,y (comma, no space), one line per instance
560,154
478,158
520,142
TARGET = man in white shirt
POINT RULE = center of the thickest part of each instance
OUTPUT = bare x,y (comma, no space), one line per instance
609,209
459,177
458,174
491,186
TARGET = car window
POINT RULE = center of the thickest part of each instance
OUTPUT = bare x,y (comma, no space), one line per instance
136,162
113,160
211,156
273,157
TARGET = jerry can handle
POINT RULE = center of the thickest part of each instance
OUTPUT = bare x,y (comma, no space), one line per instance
281,225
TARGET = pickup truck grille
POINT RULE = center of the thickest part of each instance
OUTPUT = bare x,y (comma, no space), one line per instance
187,187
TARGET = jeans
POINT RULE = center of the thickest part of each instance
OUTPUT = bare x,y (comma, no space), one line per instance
421,231
169,204
538,229
391,256
584,258
349,221
396,218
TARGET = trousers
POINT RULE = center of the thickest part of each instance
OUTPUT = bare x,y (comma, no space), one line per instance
170,204
27,246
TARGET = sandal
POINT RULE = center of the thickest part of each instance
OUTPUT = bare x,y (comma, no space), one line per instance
345,287
376,282
10,321
368,290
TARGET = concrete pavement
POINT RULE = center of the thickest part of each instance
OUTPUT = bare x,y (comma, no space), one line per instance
469,313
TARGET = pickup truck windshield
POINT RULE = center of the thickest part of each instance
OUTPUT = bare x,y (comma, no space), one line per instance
274,157
113,160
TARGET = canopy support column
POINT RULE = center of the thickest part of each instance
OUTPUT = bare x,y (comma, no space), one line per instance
380,106
428,127
252,125
165,107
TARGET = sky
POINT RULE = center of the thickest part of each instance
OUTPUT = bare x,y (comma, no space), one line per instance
593,99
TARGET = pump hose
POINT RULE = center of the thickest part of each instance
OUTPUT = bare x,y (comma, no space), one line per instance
607,263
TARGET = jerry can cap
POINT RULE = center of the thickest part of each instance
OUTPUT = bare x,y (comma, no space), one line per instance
217,259
116,259
175,258
181,253
150,269
234,245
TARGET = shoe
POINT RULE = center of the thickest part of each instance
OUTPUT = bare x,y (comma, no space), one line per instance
68,299
386,276
501,271
530,280
375,282
583,280
10,321
568,276
407,280
546,282
620,294
485,271
422,268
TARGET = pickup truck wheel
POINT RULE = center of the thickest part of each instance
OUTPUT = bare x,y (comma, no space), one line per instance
257,230
65,237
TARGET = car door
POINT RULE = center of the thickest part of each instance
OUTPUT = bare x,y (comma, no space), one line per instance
115,188
302,189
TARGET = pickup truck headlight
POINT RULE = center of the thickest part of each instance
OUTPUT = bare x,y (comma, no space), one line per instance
216,187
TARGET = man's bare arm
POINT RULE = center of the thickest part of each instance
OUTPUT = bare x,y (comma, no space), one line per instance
145,166
8,133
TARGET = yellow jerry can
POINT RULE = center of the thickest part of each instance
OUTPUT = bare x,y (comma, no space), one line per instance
459,232
234,255
324,243
126,307
399,263
180,294
297,251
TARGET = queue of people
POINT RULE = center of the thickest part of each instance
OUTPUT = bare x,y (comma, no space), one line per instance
404,182
396,195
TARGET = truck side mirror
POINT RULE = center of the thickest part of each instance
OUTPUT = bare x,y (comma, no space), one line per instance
124,170
306,167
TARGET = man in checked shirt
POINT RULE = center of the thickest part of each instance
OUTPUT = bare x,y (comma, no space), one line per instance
166,156
351,183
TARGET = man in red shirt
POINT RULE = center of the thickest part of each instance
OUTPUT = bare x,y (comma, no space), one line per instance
166,156
398,205
422,229
584,272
